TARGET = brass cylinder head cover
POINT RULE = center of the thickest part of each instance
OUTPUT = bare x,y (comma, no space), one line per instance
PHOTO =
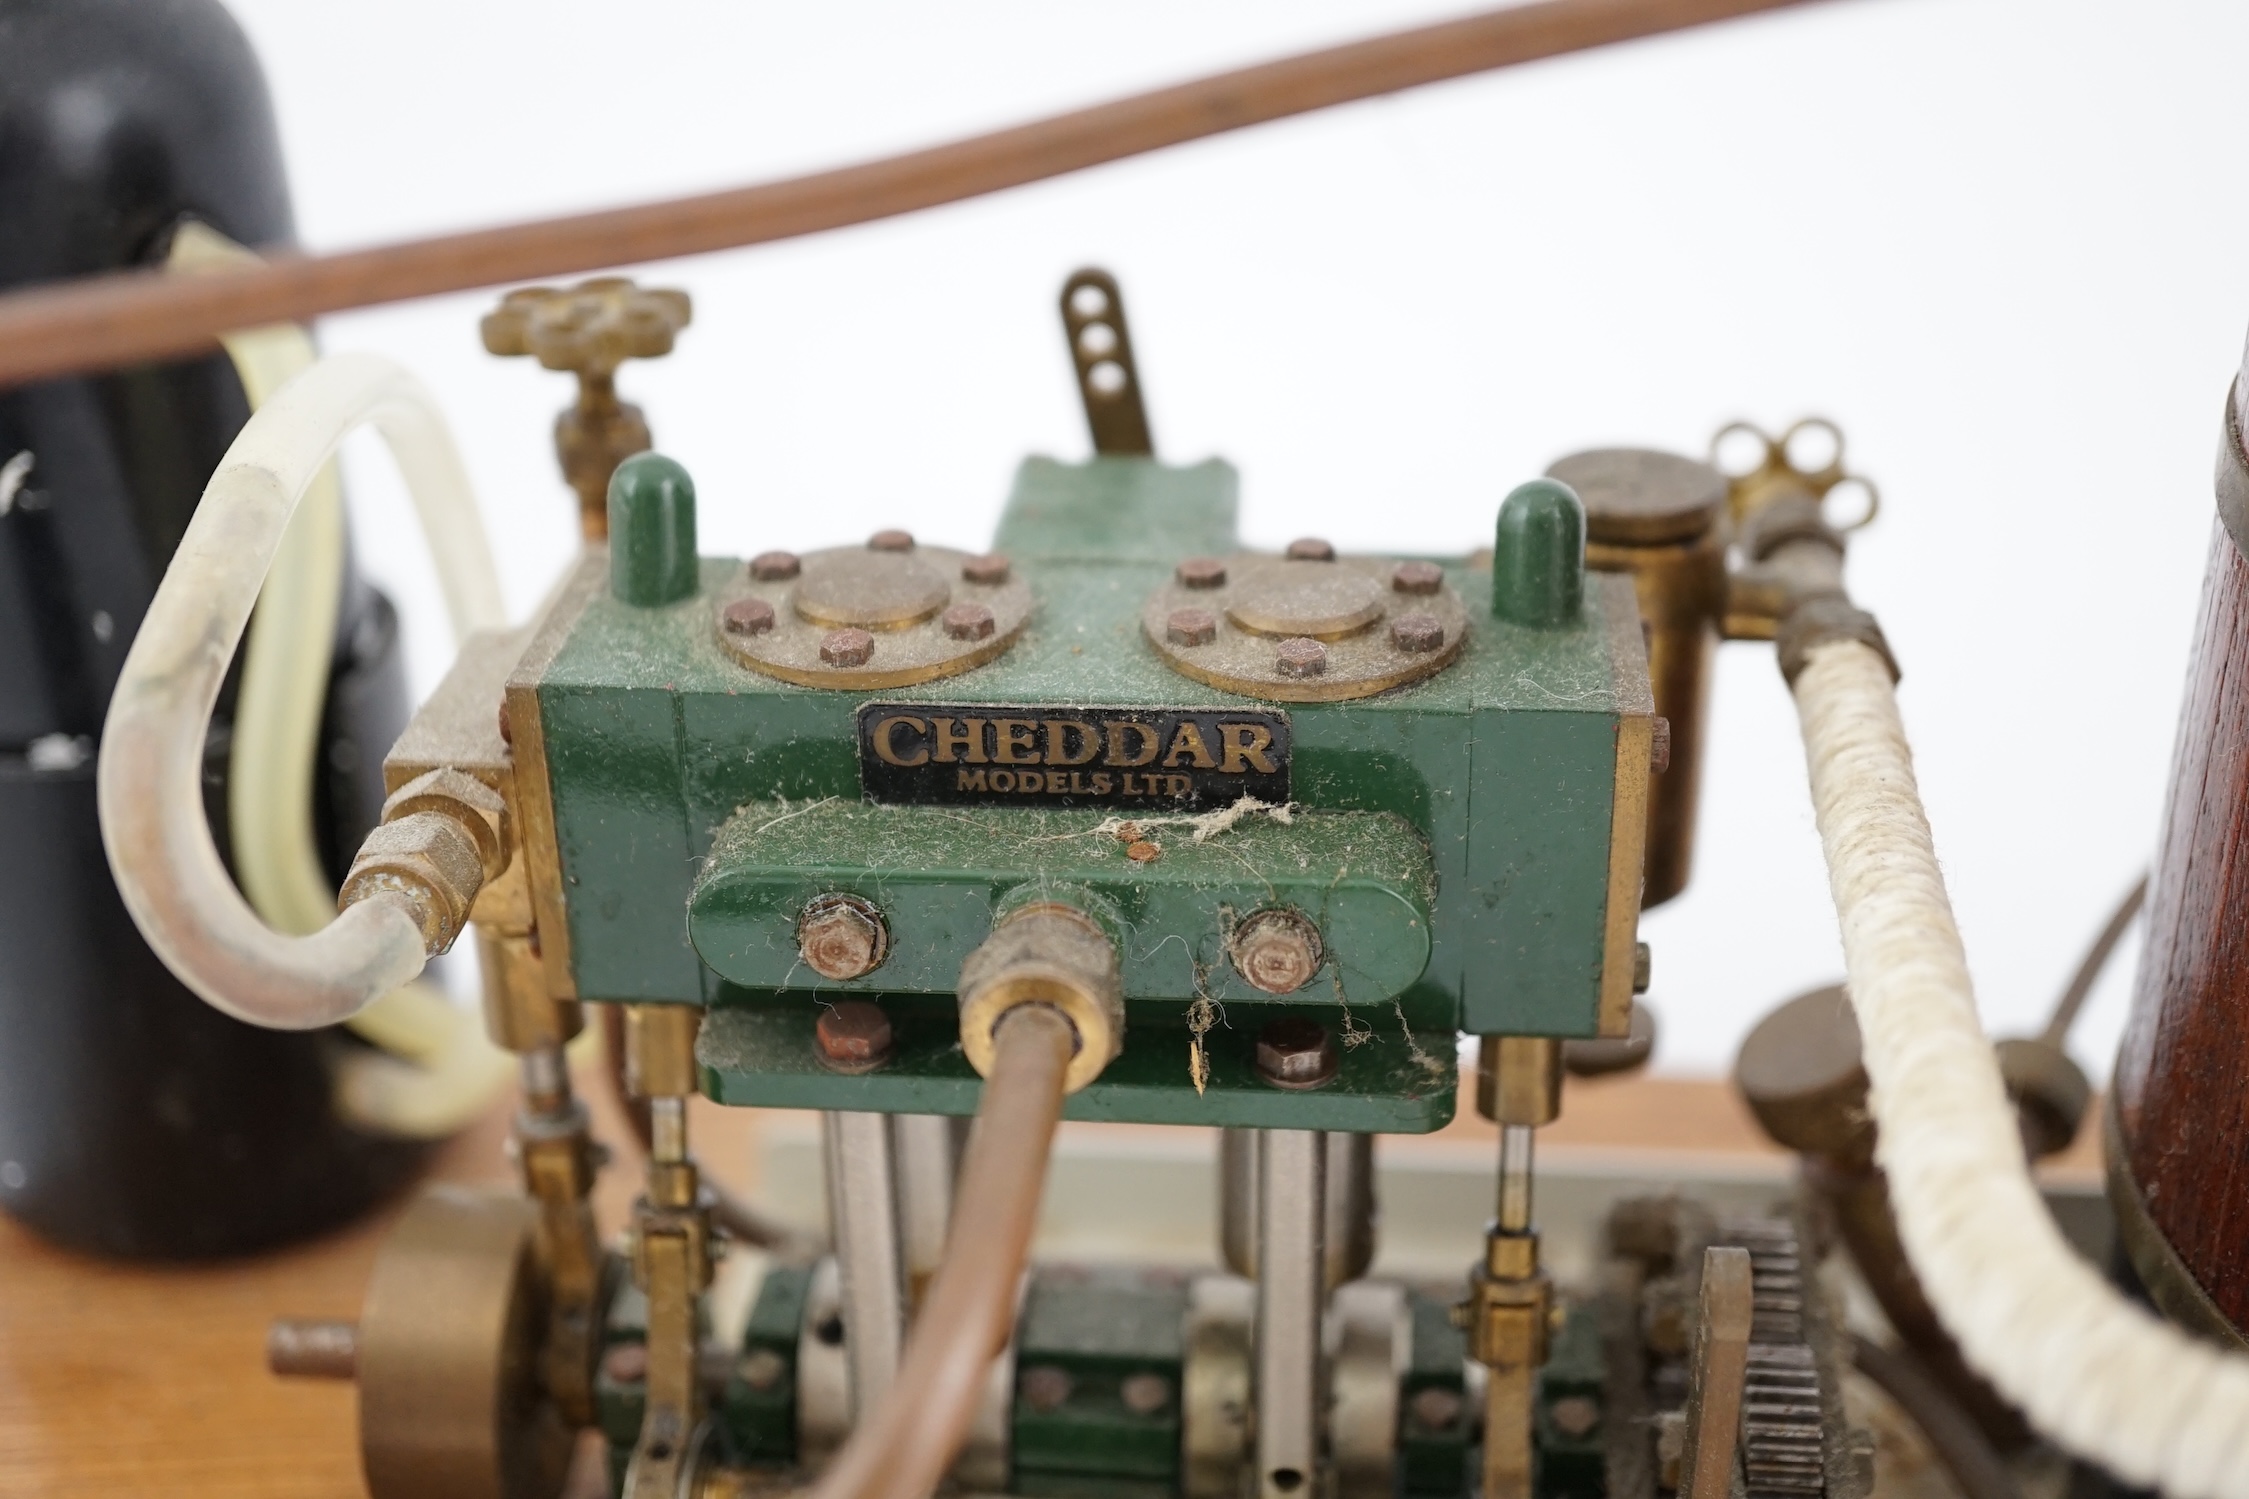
890,613
1310,627
1051,954
449,1399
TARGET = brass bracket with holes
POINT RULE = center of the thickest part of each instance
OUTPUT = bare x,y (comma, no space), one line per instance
1093,319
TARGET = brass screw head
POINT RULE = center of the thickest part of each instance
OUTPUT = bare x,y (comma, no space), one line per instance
1311,549
842,937
746,617
847,647
968,622
1417,634
1302,657
1295,1053
775,567
1435,1409
1045,1387
1418,578
1145,1394
1276,950
891,541
853,1036
991,569
1191,627
1201,572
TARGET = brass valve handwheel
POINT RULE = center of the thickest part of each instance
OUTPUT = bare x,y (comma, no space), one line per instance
590,329
1779,465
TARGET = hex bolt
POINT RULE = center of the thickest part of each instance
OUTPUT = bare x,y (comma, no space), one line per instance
1191,627
1659,746
1301,657
991,569
1311,549
1145,1394
1295,1053
1417,578
891,541
746,617
1417,634
969,622
847,647
627,1363
854,1036
1643,967
1575,1415
1276,950
762,1369
775,567
1045,1387
842,937
1201,572
1435,1408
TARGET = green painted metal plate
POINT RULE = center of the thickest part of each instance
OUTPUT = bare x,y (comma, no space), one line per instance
757,1049
940,875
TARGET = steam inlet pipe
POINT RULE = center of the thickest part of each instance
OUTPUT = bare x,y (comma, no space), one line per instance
150,779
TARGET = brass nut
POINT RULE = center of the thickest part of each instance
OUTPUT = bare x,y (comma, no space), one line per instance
968,621
1311,549
429,858
775,567
1191,627
842,937
746,617
990,570
847,647
481,811
891,541
1417,578
1048,954
1201,572
853,1036
1276,950
1296,1053
1417,634
1302,657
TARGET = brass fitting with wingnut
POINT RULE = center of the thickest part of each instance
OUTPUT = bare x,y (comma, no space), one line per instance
1053,954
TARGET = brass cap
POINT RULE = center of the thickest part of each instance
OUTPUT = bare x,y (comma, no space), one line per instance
1643,497
1046,954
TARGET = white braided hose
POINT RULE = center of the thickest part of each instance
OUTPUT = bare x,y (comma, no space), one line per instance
2095,1373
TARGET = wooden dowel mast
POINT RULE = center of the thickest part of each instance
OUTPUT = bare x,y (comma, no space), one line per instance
103,321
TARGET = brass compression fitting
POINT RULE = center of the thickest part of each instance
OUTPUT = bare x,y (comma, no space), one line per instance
1047,953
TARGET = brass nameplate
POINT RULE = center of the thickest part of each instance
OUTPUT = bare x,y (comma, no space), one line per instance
1194,759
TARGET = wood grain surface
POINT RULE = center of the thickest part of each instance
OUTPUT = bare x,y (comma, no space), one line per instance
2182,1092
120,1379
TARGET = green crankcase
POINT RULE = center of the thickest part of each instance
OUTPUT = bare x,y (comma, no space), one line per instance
1452,838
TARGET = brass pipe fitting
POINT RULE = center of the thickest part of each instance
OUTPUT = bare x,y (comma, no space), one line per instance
1509,1312
442,837
1053,954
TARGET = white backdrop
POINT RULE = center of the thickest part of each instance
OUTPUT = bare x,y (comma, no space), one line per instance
1997,240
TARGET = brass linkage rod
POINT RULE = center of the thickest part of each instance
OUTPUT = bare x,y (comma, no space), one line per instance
124,317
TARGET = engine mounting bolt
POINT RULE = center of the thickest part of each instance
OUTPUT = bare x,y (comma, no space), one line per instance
761,1369
1417,577
847,647
1145,1394
1276,950
1295,1053
1191,627
969,622
775,567
1311,549
891,541
1045,1387
854,1036
1417,634
842,937
747,617
1201,572
1436,1409
1301,657
991,569
627,1363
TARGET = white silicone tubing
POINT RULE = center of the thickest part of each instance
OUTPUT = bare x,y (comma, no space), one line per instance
150,779
2095,1373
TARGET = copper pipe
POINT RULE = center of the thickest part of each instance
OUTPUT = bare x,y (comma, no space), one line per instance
902,1450
122,318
